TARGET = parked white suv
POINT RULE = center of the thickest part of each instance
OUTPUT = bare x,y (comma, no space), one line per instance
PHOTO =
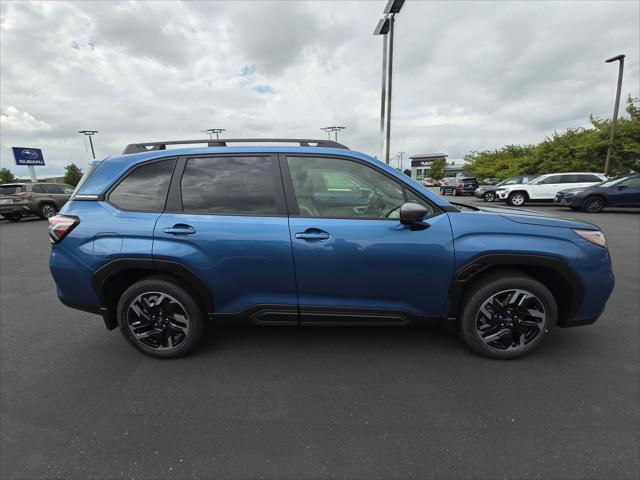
545,187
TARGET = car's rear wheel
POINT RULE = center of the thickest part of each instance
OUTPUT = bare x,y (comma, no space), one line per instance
160,317
517,199
593,205
507,315
47,210
12,217
489,197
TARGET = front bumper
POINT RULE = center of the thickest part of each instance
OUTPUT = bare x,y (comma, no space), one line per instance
502,194
566,200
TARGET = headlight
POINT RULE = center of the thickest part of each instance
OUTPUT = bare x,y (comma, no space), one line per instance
501,190
594,236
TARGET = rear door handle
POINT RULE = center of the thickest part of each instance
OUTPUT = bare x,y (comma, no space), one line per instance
313,234
180,229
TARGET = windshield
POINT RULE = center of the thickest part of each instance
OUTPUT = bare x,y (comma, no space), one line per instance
10,189
611,182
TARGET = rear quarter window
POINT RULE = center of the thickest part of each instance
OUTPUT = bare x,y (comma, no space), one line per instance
145,188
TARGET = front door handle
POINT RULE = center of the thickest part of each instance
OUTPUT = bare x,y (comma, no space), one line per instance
313,234
180,229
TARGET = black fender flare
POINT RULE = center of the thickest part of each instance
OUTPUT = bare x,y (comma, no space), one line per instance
177,269
483,263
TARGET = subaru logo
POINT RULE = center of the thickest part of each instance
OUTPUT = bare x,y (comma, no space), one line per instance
30,154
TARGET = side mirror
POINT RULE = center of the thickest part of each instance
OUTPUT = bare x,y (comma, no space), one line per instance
412,215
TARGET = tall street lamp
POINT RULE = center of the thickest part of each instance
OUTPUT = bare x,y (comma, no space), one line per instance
211,131
614,121
385,28
335,129
89,133
400,154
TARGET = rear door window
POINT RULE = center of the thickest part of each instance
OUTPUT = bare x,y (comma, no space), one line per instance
145,188
230,186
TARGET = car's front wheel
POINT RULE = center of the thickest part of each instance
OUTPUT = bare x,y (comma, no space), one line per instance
489,197
507,315
160,317
593,205
517,199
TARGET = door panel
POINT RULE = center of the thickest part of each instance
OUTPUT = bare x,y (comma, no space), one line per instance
360,258
245,261
373,264
226,221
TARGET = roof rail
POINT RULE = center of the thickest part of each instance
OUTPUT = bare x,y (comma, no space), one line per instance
222,142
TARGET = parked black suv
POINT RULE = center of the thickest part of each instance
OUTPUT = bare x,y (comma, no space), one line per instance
459,186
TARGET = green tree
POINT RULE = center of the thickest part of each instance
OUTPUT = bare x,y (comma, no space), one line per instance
575,149
72,174
436,169
6,176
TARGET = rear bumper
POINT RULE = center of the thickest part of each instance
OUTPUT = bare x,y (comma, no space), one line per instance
15,208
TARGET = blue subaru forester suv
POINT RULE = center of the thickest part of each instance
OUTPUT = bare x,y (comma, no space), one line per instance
161,242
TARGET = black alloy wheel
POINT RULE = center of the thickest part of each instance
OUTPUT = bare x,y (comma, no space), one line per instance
47,210
489,197
593,205
510,319
507,315
160,317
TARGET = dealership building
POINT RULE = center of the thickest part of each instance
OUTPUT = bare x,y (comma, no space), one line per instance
420,165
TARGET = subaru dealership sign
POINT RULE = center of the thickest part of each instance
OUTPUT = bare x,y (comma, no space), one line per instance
28,156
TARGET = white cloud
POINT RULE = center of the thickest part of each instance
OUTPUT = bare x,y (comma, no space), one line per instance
13,120
468,75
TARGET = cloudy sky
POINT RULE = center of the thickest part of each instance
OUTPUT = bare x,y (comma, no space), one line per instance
468,75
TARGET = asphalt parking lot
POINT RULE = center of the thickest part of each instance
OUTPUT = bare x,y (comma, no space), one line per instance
284,402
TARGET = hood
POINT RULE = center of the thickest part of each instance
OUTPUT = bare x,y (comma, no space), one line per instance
533,217
575,190
513,185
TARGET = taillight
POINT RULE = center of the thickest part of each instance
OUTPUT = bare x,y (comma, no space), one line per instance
60,226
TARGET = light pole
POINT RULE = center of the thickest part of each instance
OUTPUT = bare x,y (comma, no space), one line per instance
385,28
211,131
614,121
90,133
400,154
335,129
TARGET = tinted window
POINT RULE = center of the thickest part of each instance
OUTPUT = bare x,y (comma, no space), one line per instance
571,179
550,180
10,189
39,188
229,186
335,188
633,182
588,178
145,188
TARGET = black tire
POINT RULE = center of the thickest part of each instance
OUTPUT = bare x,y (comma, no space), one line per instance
184,310
12,217
489,197
593,204
472,320
517,199
47,210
